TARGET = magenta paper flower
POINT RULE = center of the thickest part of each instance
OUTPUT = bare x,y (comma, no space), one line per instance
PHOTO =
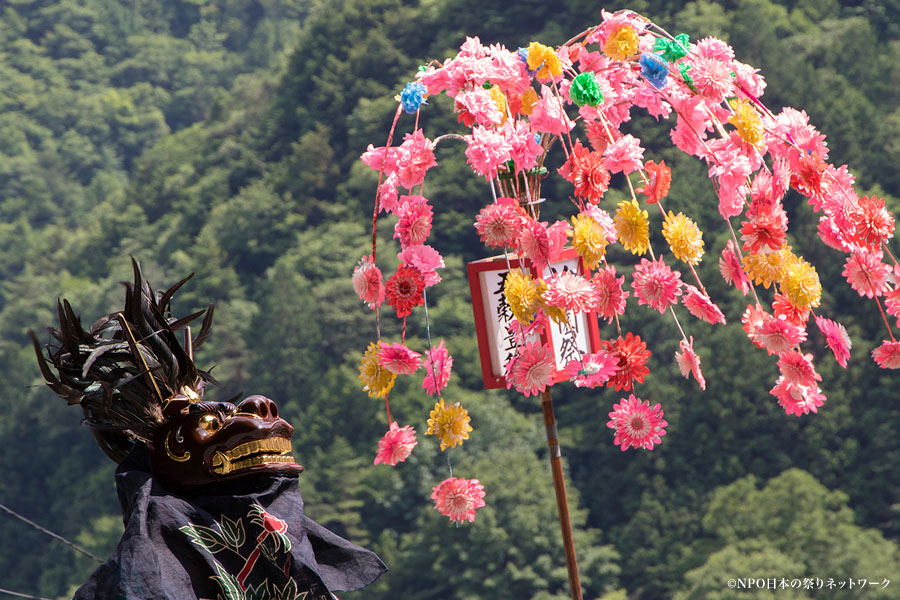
636,423
532,369
777,335
398,359
796,399
797,368
655,284
458,498
689,362
570,292
438,363
701,306
866,273
414,224
396,445
887,355
731,269
534,242
500,224
592,370
837,338
610,299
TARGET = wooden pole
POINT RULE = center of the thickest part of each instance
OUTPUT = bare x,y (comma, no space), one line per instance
559,485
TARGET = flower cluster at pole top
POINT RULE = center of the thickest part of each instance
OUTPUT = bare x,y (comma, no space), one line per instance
514,105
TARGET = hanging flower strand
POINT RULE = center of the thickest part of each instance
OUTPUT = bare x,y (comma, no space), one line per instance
512,106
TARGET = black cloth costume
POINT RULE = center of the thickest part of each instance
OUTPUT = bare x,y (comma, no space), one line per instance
249,542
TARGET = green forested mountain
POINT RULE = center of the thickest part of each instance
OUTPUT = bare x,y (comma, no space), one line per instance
223,138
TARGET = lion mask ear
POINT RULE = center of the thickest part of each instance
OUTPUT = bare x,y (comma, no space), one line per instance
124,369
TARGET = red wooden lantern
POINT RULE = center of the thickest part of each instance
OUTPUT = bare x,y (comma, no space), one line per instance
493,316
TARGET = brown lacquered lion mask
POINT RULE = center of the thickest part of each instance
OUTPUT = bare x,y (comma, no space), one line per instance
205,444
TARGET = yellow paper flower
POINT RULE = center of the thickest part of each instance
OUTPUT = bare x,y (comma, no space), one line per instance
529,99
622,44
633,227
766,267
588,239
544,60
556,314
376,380
499,99
684,237
450,423
521,294
800,283
747,121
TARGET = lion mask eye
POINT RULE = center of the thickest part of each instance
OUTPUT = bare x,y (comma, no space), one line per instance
210,423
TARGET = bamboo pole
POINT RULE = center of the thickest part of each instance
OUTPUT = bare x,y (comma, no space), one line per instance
559,486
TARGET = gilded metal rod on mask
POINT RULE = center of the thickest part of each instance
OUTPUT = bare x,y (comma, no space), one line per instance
559,485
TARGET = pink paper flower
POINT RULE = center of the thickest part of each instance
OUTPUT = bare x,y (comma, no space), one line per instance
414,157
396,445
500,224
655,284
524,149
873,224
795,399
458,498
534,242
779,335
797,368
414,224
783,307
487,150
713,78
610,298
625,155
592,370
752,320
731,269
637,424
548,115
866,273
398,359
532,369
689,362
424,258
701,306
388,196
368,283
438,363
379,159
481,106
570,292
837,339
887,355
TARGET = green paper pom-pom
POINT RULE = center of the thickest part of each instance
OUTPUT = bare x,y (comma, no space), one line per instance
585,91
673,50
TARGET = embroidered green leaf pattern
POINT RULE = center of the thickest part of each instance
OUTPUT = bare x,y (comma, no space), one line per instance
228,583
285,541
233,532
207,538
288,592
258,592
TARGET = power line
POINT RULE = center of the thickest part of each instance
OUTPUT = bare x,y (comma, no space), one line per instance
51,534
11,593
